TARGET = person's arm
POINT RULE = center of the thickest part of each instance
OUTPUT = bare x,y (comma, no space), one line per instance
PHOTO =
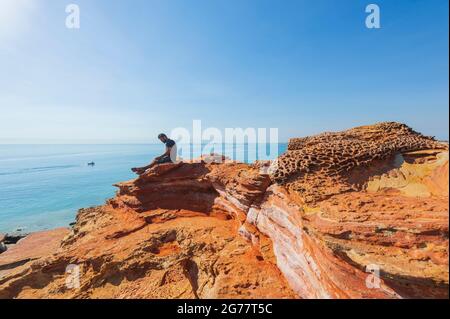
167,152
161,156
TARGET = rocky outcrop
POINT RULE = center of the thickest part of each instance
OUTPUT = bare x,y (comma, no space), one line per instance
347,204
327,164
20,256
357,214
329,251
167,234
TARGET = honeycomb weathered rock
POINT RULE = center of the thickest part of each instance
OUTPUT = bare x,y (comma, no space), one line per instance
318,166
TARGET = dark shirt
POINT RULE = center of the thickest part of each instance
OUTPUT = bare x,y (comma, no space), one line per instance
170,143
173,152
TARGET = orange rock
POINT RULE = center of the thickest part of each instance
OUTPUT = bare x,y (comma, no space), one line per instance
320,166
31,248
168,234
341,218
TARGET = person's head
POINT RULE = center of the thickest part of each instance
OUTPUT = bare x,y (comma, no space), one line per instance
163,137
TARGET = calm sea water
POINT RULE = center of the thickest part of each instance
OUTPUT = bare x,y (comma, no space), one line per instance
43,186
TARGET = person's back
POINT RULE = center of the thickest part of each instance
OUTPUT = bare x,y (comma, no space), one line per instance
171,147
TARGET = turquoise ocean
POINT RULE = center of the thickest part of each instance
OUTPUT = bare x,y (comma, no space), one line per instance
43,186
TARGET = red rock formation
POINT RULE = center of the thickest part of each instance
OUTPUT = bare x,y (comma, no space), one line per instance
199,230
373,196
327,164
167,234
20,256
325,251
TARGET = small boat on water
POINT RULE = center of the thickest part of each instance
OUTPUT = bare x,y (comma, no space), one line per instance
91,164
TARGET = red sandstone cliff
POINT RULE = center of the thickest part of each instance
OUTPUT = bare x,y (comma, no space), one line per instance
337,205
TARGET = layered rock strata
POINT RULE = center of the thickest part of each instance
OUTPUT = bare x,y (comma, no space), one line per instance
356,214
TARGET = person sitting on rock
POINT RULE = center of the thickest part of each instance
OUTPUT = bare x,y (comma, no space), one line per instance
169,155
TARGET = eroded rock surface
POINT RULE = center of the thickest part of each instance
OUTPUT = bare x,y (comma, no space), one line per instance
320,166
356,214
20,256
167,234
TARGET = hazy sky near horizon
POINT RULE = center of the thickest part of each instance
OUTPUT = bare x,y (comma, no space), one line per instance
137,68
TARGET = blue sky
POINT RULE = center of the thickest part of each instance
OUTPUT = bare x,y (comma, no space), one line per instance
136,68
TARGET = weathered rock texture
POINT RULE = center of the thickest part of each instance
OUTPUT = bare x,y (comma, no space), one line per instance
339,206
20,256
167,234
320,166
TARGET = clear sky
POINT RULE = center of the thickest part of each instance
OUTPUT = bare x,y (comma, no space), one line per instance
136,68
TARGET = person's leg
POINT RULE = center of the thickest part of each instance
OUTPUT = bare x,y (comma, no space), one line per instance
162,160
151,165
141,170
165,160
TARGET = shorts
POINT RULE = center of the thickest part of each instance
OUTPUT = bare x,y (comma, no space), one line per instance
163,160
